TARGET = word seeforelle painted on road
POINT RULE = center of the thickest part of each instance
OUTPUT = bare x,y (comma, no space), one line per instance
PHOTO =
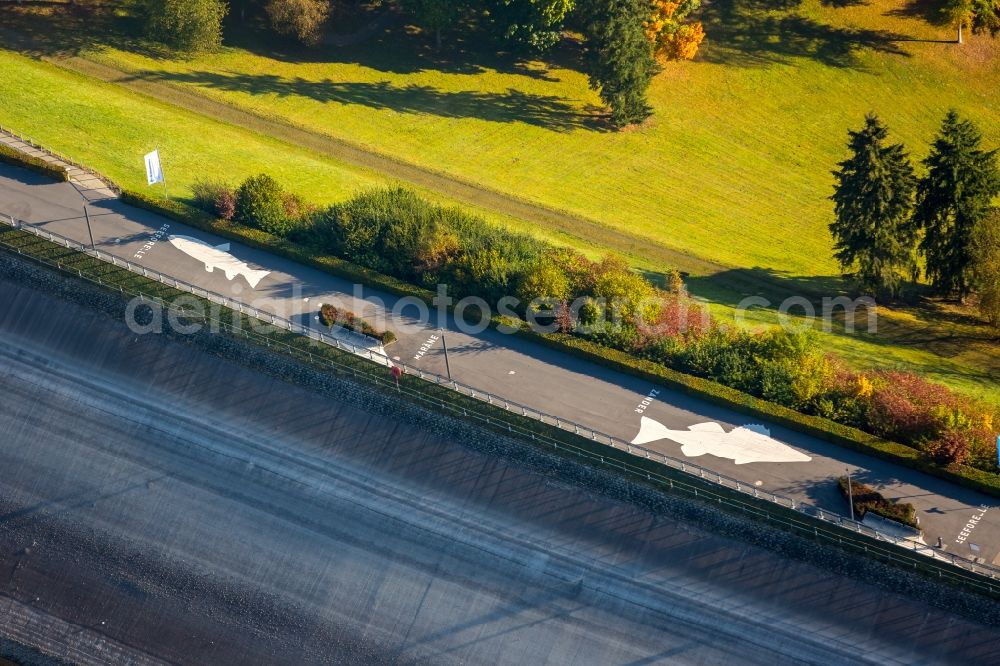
157,235
971,525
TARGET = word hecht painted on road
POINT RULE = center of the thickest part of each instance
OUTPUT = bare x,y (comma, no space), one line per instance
148,245
746,444
218,256
971,525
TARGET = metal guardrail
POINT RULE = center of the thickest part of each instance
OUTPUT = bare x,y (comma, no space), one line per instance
830,518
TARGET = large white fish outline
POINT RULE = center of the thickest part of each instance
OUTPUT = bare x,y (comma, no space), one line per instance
217,256
745,444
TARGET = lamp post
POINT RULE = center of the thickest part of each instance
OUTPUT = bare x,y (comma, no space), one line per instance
447,365
89,230
850,492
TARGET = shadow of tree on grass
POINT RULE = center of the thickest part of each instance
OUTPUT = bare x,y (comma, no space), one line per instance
511,106
744,32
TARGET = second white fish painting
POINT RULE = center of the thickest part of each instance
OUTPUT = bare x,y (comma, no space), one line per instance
742,445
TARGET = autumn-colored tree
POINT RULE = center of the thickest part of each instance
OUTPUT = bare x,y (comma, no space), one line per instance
225,205
678,316
671,36
675,283
627,294
564,317
302,19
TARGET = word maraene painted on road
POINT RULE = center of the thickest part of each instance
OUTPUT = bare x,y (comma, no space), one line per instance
971,525
157,235
425,347
647,401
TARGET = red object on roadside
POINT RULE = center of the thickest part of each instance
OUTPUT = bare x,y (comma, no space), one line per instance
397,372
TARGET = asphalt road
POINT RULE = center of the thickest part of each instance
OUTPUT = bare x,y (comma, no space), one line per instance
510,367
160,505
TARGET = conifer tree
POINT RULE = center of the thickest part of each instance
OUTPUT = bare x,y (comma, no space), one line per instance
873,200
620,56
954,196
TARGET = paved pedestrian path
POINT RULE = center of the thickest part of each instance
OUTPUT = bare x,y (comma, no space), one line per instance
89,184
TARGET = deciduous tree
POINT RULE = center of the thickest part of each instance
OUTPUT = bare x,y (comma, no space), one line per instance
873,201
188,25
434,15
986,266
672,37
301,19
980,15
534,24
260,202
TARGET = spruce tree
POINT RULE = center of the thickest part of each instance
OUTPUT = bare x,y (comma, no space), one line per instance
873,202
621,63
952,199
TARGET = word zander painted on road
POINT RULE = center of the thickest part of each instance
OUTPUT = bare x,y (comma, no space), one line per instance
746,444
218,256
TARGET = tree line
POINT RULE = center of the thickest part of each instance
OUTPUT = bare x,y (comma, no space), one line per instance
626,40
891,225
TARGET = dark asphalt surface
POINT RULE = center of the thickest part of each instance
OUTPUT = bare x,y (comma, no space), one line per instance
510,367
160,505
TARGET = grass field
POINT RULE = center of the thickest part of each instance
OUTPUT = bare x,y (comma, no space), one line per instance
733,168
740,148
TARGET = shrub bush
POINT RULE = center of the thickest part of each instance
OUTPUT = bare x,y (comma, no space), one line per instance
907,408
225,205
949,448
205,193
331,316
260,203
868,499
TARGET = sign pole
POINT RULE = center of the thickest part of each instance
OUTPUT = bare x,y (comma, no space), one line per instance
89,230
447,365
850,492
163,177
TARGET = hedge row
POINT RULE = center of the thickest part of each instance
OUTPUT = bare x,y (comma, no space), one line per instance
10,156
704,389
865,498
331,316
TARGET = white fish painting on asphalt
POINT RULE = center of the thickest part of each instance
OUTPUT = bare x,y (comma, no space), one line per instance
745,444
217,256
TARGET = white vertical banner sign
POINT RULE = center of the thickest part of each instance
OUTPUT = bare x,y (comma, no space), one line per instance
154,172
